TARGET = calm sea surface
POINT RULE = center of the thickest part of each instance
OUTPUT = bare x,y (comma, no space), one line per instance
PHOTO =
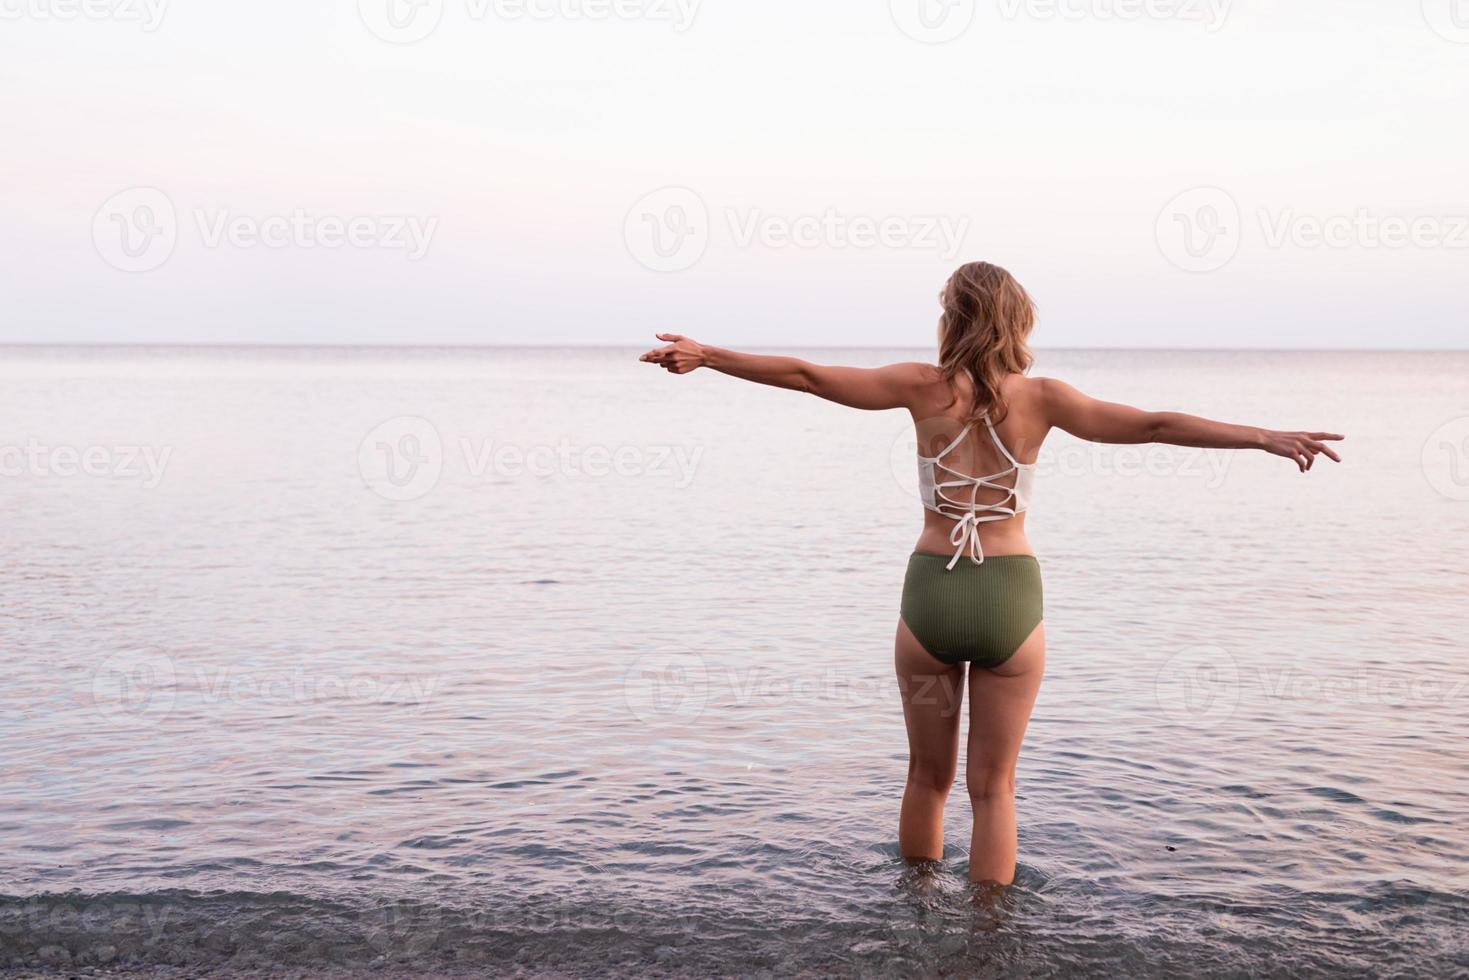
545,661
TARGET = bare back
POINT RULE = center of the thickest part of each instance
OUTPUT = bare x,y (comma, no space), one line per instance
939,418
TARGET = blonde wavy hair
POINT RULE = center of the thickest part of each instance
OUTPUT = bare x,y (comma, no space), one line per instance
984,332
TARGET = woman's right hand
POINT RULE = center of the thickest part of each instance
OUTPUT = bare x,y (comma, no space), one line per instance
1302,447
681,356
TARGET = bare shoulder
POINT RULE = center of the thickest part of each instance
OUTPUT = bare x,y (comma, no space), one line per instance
919,372
1027,393
931,393
1045,393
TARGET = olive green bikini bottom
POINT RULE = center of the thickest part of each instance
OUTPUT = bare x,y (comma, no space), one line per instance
978,614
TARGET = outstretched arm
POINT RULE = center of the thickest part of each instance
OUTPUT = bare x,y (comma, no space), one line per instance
1099,421
874,389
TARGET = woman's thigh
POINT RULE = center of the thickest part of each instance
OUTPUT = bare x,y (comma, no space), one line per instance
1000,702
933,701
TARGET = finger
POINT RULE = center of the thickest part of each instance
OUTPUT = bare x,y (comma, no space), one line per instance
672,337
1325,451
1326,437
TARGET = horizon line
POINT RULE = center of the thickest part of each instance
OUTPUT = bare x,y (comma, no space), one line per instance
217,345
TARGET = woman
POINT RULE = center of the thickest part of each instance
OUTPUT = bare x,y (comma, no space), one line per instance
972,596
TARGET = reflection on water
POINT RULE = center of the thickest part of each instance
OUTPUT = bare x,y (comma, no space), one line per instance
544,659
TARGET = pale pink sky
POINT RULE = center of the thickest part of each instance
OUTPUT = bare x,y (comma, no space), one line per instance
495,174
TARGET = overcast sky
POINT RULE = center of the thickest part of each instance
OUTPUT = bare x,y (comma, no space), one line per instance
1161,173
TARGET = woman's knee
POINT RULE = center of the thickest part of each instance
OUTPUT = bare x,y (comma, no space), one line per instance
990,782
937,776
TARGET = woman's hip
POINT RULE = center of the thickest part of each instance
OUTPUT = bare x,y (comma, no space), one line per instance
974,613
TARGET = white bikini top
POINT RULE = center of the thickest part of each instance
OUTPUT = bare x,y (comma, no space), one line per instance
968,515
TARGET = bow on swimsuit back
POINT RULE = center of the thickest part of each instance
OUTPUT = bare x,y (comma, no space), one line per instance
983,612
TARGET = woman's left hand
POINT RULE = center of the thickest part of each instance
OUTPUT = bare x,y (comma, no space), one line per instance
681,356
